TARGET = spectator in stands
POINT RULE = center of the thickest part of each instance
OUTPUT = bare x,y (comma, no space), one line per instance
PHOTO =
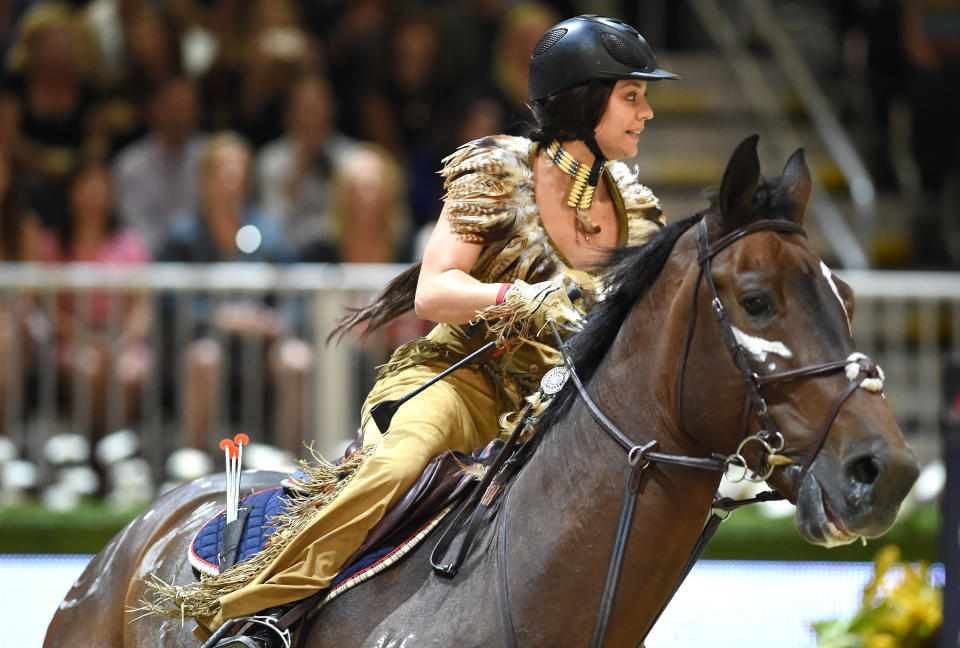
370,214
277,50
157,176
151,57
50,103
480,113
474,26
20,239
98,336
259,57
224,206
228,227
354,41
294,173
409,113
519,31
371,223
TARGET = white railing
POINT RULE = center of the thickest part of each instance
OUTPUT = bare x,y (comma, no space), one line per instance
309,298
908,321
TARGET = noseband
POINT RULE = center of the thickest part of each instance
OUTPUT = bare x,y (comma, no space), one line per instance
859,369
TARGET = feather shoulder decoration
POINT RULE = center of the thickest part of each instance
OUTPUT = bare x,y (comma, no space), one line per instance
644,217
481,179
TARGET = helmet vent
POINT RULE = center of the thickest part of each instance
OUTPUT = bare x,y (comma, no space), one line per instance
622,52
549,40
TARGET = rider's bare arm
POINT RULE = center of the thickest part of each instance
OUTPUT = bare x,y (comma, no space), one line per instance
446,292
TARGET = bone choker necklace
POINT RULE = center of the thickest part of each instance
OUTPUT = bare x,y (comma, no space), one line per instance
580,196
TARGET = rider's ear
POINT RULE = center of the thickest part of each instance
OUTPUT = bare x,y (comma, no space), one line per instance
796,181
740,182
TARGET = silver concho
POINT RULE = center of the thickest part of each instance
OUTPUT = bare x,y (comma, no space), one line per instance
554,380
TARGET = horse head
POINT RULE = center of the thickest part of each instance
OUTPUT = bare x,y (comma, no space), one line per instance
789,316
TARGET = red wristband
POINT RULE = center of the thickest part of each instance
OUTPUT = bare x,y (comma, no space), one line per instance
503,292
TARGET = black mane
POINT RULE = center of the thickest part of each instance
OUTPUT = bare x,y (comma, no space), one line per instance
632,270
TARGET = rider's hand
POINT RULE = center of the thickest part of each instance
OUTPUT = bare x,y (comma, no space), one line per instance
548,302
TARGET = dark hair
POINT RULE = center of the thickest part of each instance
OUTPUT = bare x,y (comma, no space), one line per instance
573,111
65,231
633,270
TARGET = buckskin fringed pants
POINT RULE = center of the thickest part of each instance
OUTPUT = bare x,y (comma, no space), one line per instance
458,413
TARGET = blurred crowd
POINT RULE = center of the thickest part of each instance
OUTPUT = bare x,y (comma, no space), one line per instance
179,120
281,131
343,111
202,131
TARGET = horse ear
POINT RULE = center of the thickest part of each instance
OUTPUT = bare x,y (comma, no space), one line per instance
740,182
796,182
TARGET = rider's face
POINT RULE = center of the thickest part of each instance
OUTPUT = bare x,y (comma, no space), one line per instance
623,120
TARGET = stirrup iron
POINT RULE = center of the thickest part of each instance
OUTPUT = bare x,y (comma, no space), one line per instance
252,635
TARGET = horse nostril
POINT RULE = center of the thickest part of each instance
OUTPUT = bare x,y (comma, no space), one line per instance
864,470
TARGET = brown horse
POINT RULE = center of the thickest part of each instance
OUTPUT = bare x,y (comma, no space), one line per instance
653,359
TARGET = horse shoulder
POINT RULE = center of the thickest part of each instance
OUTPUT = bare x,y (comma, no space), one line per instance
411,605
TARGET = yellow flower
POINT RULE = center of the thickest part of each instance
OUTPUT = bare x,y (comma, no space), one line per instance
881,641
901,609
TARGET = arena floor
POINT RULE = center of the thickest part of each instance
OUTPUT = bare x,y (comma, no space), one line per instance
724,604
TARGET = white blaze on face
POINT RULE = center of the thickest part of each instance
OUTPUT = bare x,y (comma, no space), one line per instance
833,286
759,347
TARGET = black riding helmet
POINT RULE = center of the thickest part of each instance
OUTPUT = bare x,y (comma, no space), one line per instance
587,48
590,47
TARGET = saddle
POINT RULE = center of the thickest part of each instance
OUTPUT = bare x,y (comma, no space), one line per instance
445,479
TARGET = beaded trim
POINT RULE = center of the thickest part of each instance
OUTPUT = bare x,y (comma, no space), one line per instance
581,192
580,196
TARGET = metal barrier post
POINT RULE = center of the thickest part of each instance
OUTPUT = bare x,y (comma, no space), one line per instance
334,386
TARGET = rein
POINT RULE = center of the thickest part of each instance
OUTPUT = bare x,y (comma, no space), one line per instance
860,371
857,367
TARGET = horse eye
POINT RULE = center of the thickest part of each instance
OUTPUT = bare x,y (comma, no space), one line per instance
757,304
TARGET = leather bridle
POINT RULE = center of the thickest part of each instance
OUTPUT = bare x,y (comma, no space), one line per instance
857,367
859,370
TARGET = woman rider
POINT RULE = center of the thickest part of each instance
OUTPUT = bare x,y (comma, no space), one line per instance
520,218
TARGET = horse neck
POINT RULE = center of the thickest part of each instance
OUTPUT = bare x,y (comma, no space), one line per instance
568,497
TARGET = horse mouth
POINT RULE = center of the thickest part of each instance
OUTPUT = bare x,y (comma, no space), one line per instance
817,519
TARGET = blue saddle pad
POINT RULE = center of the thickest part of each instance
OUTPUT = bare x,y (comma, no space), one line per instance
204,551
206,546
